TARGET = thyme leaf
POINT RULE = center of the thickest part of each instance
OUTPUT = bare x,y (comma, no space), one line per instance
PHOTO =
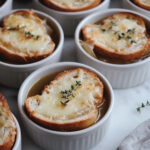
103,30
16,28
131,31
138,109
37,37
129,37
67,94
133,41
26,33
29,34
64,103
143,106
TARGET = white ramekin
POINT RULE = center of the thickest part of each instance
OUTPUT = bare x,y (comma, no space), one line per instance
57,140
12,75
120,76
128,4
17,144
5,8
69,20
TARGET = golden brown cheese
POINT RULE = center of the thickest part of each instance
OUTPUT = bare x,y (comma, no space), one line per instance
25,35
17,41
124,35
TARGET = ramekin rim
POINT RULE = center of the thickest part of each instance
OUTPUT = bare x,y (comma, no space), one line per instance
136,6
5,4
70,133
79,27
18,136
75,13
59,46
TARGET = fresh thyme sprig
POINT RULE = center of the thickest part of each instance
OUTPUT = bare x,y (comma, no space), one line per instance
26,33
142,106
29,34
16,28
121,35
103,30
67,94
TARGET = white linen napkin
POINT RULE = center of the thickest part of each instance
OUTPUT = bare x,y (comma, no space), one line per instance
139,139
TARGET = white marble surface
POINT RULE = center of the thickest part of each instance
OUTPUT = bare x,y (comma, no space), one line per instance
124,117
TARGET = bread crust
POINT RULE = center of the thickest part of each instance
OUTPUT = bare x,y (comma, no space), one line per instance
142,5
10,140
13,57
50,4
68,125
122,57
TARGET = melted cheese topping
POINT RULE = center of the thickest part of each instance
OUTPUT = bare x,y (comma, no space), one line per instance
5,124
72,3
83,102
29,38
34,26
18,42
121,35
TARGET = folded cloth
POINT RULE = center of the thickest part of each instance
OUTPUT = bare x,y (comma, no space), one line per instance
139,139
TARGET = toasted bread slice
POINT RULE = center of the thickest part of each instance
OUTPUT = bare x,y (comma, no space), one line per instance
121,37
24,38
71,5
69,102
143,3
8,130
